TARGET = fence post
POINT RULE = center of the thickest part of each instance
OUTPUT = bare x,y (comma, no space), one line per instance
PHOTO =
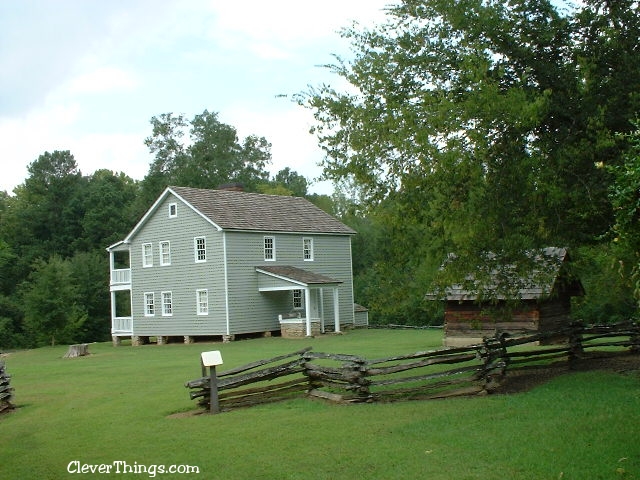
6,390
211,359
635,337
576,329
360,366
494,359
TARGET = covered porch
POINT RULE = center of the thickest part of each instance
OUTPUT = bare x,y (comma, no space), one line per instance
309,290
120,289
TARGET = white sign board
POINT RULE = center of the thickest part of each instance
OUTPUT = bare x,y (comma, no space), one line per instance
211,359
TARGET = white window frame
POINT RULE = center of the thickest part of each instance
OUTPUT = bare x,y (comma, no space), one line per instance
202,301
173,210
269,252
307,249
149,306
297,299
167,307
165,257
147,256
196,250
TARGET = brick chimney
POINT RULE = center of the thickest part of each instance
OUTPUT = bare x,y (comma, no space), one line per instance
232,187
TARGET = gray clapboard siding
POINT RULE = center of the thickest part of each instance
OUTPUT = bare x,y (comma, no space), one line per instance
236,305
182,278
250,309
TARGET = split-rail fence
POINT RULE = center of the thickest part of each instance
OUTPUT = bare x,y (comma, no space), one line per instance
475,369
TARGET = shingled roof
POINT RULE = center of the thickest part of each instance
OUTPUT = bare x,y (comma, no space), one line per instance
550,261
232,210
297,274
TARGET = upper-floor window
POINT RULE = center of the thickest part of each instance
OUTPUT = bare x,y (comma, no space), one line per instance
297,299
173,210
165,253
147,255
307,249
202,302
167,304
149,304
200,249
269,248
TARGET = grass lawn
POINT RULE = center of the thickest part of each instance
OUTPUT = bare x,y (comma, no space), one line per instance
115,406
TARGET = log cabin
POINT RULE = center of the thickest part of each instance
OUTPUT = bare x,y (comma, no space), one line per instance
540,305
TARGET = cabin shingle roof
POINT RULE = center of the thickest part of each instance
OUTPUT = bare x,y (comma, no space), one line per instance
232,210
550,260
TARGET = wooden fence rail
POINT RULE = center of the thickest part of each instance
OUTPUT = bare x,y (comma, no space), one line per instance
428,374
6,391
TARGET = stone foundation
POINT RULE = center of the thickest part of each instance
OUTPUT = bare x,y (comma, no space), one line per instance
298,328
136,340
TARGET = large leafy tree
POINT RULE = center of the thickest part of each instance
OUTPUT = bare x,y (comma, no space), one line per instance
108,200
625,196
487,119
52,310
44,217
203,153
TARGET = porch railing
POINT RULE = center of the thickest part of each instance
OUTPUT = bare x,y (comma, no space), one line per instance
120,276
121,325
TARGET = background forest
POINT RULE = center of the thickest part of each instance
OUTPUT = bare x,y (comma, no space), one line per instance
471,126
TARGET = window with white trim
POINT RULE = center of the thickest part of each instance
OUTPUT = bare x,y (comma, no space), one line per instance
149,304
200,249
269,248
165,253
173,210
307,249
167,304
202,302
297,299
147,255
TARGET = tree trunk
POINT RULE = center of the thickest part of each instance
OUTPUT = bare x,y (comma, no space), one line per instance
79,350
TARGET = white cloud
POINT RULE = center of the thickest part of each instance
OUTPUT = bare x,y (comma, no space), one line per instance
52,129
23,139
91,75
101,80
288,131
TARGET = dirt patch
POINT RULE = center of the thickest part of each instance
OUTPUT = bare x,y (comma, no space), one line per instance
524,379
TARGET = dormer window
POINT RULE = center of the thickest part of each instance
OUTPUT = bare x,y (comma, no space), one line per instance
173,210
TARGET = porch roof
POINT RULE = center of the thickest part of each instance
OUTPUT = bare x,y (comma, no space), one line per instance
285,277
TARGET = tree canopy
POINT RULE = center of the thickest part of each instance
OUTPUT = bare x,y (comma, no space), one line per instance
488,120
202,153
55,228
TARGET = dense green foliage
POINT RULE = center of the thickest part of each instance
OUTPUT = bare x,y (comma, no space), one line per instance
55,227
482,126
470,127
115,405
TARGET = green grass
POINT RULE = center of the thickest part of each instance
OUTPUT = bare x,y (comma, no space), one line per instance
115,405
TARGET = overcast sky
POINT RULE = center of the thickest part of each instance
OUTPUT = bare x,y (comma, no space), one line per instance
87,75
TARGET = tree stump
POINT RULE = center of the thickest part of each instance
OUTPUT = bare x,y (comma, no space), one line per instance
79,350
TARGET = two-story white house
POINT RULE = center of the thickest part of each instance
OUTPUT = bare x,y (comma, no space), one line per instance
208,263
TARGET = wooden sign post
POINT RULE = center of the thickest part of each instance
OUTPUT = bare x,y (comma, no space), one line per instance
211,359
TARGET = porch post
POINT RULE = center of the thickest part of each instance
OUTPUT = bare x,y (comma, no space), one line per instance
307,307
113,308
321,309
336,310
111,263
